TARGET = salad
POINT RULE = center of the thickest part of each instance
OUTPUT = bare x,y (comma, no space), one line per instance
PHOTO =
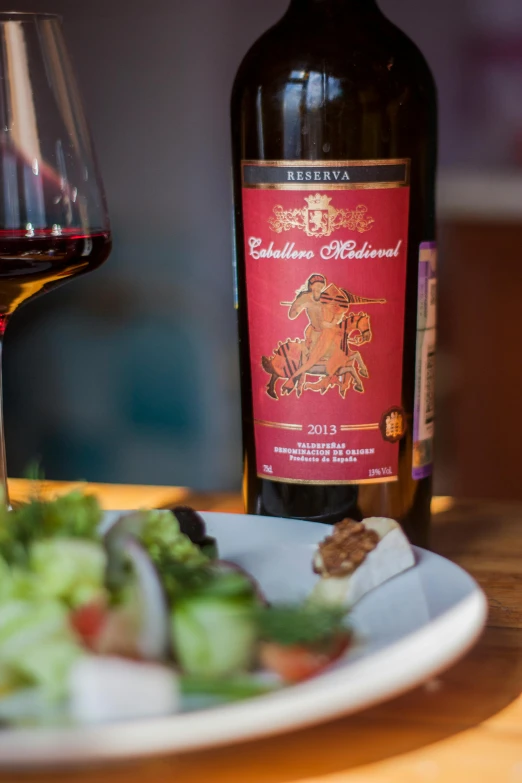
141,617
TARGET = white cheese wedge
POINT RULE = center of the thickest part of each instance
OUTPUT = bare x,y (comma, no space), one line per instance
392,555
104,688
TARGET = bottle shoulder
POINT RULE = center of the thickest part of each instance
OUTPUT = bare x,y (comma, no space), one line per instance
373,56
412,58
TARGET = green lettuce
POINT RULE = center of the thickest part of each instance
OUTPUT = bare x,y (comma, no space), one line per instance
72,516
161,535
37,646
71,570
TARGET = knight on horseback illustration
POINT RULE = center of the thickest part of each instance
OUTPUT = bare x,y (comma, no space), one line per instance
329,351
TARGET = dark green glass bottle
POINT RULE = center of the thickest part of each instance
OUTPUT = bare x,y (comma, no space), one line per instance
335,82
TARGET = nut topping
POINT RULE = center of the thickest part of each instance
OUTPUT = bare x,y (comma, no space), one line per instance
344,551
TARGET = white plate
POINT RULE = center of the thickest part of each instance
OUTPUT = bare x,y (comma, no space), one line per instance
407,630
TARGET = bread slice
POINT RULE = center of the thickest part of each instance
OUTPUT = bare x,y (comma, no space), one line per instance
392,555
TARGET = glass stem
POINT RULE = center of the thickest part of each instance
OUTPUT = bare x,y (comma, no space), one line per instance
3,461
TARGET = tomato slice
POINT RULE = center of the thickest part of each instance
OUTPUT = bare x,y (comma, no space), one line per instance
297,663
88,621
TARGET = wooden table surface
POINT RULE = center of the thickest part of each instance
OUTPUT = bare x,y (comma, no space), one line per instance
463,727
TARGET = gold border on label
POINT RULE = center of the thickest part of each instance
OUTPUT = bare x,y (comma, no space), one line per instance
279,426
326,186
382,480
327,164
355,427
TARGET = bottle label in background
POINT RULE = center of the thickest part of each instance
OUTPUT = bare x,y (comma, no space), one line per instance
326,249
424,414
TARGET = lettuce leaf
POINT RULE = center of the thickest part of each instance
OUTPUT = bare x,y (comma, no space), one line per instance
71,570
37,646
161,535
72,516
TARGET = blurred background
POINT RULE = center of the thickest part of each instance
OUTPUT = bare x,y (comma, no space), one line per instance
130,375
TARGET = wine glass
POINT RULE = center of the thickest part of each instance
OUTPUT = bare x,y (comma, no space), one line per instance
53,216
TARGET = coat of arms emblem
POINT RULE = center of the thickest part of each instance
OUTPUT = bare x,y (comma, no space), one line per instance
319,218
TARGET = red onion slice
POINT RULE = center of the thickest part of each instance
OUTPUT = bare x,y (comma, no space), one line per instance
153,640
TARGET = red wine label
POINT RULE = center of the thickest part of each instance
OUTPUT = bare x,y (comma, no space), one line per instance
326,248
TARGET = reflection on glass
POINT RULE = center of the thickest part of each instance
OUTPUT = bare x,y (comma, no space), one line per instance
53,217
307,92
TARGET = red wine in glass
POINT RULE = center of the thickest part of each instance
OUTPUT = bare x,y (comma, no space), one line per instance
53,217
34,265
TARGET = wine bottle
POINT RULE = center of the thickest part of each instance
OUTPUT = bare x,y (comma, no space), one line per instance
334,126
